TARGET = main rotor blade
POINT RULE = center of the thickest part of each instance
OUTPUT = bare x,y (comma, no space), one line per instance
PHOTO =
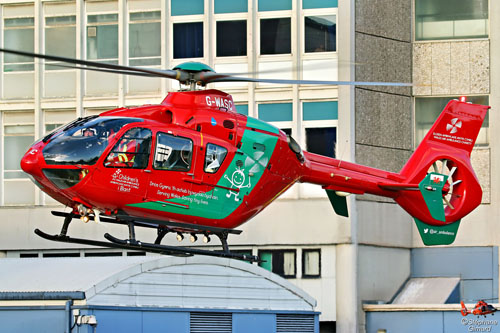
114,71
214,77
171,74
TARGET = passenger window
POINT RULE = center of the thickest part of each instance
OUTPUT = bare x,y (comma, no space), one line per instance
132,151
214,157
173,153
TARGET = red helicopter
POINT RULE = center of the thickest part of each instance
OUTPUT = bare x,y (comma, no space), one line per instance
480,309
192,165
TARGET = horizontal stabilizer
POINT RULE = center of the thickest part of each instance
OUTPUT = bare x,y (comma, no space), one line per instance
437,235
339,203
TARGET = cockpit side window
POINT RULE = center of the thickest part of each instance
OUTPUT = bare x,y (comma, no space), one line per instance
173,153
132,151
214,157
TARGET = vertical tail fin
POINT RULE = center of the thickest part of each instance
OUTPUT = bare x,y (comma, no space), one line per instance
448,187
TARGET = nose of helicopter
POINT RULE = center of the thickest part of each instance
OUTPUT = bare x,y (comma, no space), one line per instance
30,160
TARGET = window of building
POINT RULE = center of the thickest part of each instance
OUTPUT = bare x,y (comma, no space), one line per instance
320,33
102,37
173,153
19,34
319,120
60,38
275,36
214,157
448,19
321,140
276,112
281,262
19,135
61,255
54,119
231,38
428,109
311,263
145,38
132,151
188,40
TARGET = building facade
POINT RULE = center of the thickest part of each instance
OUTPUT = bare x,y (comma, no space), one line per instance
339,261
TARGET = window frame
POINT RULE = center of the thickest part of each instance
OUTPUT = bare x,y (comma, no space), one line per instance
135,153
86,38
173,19
130,22
205,159
47,63
311,276
302,31
282,251
4,28
156,138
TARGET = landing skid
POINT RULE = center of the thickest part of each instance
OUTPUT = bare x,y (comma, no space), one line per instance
162,228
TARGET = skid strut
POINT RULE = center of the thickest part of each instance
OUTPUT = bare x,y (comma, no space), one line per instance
162,229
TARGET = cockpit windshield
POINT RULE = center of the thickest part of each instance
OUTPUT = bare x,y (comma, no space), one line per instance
84,141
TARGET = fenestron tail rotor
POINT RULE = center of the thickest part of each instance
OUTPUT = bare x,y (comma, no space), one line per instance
439,187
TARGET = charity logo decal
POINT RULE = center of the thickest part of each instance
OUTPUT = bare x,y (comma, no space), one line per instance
454,125
237,180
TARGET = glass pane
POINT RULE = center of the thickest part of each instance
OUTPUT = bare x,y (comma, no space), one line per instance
173,153
50,127
230,6
276,112
188,40
183,7
321,141
309,4
242,109
214,157
102,42
145,16
145,40
61,41
60,20
311,263
19,22
231,38
289,263
427,111
451,19
266,5
19,129
267,260
320,110
102,18
275,36
15,148
320,33
132,151
19,39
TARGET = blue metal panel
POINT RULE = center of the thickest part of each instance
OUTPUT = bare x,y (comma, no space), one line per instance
320,110
253,322
477,289
119,321
166,322
230,6
242,108
408,322
187,7
309,4
276,112
267,5
40,321
464,262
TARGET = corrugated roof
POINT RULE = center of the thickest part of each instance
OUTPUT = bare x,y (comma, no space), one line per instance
192,282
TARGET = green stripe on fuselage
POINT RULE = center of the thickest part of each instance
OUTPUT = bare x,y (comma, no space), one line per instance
261,125
245,170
